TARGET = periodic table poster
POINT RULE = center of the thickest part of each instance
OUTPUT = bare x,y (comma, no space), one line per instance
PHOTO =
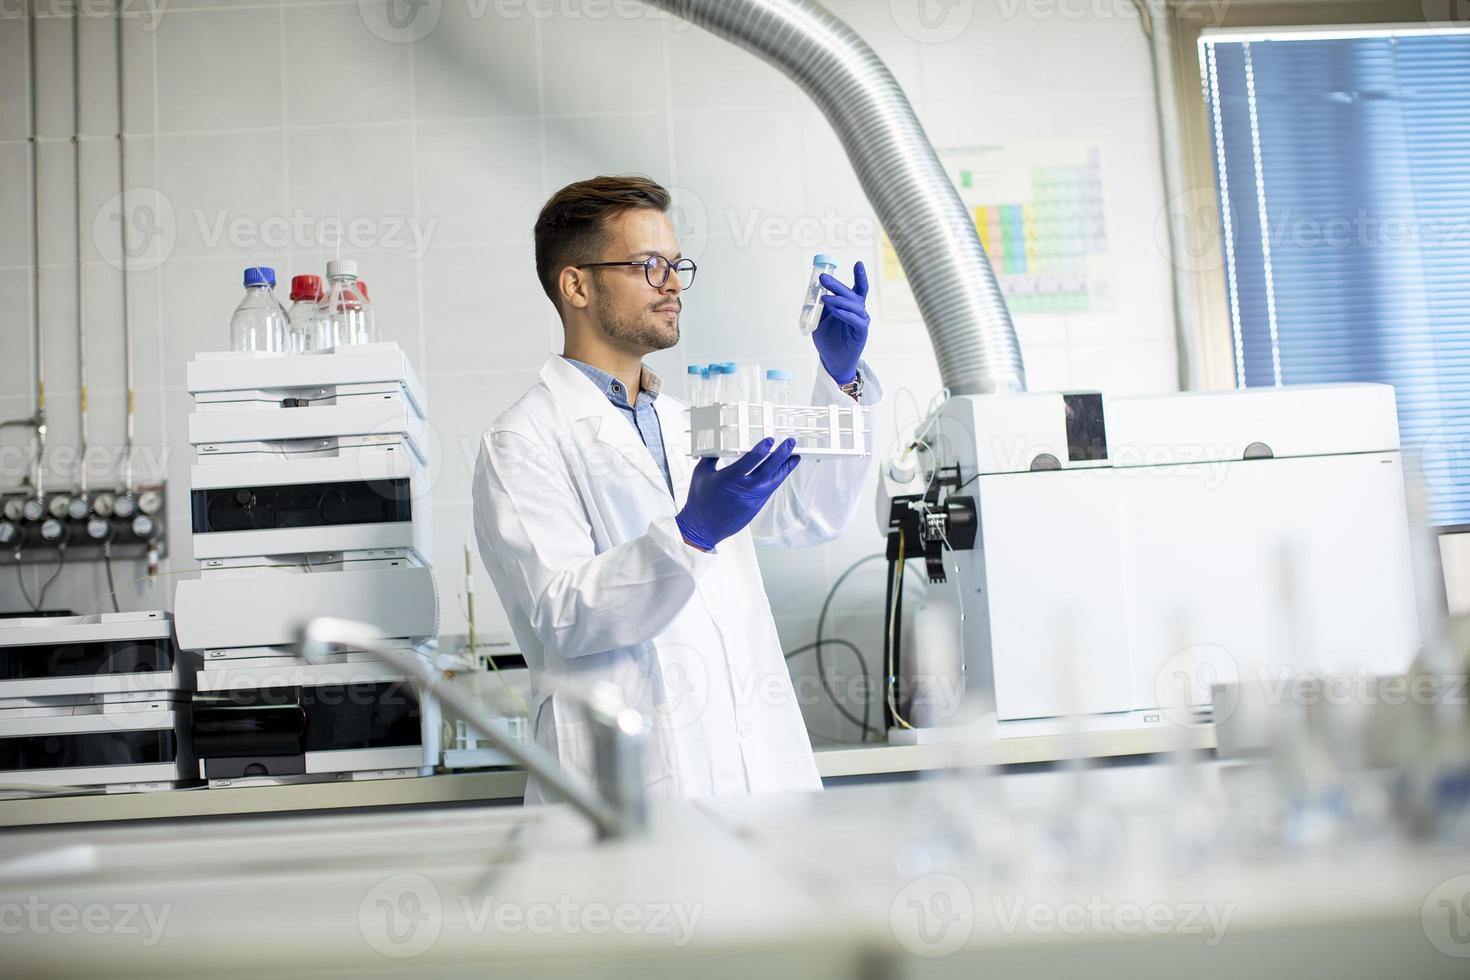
1038,208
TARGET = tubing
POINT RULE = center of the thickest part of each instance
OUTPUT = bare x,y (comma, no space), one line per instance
967,318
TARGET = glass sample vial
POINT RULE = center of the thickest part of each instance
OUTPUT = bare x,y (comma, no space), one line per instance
344,317
259,322
695,394
778,387
811,306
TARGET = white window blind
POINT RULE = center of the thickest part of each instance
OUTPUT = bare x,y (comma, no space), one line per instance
1343,165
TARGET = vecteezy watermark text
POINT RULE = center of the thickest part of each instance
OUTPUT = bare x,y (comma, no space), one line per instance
37,917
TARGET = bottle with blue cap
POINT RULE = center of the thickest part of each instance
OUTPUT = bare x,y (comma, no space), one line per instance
811,307
259,322
778,386
696,376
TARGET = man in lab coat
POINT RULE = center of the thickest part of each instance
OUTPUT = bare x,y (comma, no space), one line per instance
618,559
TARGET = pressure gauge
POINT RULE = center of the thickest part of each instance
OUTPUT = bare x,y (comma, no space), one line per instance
14,508
9,533
98,529
124,507
33,510
52,529
150,502
57,505
76,508
143,526
102,505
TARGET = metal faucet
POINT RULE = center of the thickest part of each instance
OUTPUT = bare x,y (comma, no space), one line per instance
615,805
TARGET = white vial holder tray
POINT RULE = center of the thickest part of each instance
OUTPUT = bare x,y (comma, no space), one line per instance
732,428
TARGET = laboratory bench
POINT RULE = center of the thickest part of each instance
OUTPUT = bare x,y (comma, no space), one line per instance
836,763
816,885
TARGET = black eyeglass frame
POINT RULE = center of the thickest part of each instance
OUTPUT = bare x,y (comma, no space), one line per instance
649,264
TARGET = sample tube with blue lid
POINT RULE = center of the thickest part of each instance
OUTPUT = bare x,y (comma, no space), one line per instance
696,385
811,306
778,386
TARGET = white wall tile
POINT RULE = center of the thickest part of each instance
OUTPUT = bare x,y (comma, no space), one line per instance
54,109
219,69
477,62
480,181
484,310
460,407
741,163
15,204
1104,51
708,72
14,80
579,147
1125,368
611,63
337,70
360,177
249,220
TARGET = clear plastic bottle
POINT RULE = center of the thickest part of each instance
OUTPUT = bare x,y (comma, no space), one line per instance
344,318
706,386
778,387
259,322
728,390
695,394
752,378
306,293
811,306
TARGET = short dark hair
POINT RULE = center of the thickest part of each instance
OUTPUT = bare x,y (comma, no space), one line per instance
572,226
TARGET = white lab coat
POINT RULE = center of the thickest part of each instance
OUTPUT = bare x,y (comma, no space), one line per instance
576,527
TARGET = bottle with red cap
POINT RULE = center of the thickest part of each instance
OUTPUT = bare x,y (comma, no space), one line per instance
306,293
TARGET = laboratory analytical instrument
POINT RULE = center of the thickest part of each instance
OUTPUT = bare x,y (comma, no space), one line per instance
308,497
1111,558
97,701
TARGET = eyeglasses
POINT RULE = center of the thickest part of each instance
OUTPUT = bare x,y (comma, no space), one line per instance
656,270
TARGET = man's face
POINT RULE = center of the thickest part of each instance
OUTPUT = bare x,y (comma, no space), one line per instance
638,317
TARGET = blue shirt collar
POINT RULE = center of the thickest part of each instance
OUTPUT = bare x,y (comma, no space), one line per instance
648,381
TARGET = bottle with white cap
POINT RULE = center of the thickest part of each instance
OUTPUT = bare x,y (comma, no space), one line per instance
811,306
344,316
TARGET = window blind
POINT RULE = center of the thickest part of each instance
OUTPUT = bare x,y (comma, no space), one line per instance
1342,161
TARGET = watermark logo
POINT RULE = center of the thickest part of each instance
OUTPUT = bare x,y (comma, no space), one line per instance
142,221
1183,684
932,21
36,917
690,219
933,916
401,916
1099,916
671,693
400,21
1444,460
1192,217
1445,916
1446,17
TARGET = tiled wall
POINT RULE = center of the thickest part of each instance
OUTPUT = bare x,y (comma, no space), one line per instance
248,122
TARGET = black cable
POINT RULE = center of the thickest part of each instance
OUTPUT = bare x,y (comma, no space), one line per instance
26,593
862,664
866,728
60,560
112,586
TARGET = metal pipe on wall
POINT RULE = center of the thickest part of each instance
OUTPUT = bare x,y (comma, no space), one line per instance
122,235
38,443
76,115
934,235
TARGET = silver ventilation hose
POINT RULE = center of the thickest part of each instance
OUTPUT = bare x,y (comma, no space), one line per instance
934,235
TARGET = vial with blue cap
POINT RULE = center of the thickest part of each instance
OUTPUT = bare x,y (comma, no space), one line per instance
259,322
811,307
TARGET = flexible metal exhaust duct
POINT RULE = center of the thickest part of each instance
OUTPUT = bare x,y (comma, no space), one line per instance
961,302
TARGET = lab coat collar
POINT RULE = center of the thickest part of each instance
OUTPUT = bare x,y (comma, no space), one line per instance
584,402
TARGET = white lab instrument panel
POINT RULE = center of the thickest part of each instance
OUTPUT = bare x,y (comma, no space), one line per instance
1253,534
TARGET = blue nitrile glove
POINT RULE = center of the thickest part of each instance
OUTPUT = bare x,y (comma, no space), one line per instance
843,329
722,501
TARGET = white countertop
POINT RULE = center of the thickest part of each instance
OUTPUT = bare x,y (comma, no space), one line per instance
816,884
833,762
